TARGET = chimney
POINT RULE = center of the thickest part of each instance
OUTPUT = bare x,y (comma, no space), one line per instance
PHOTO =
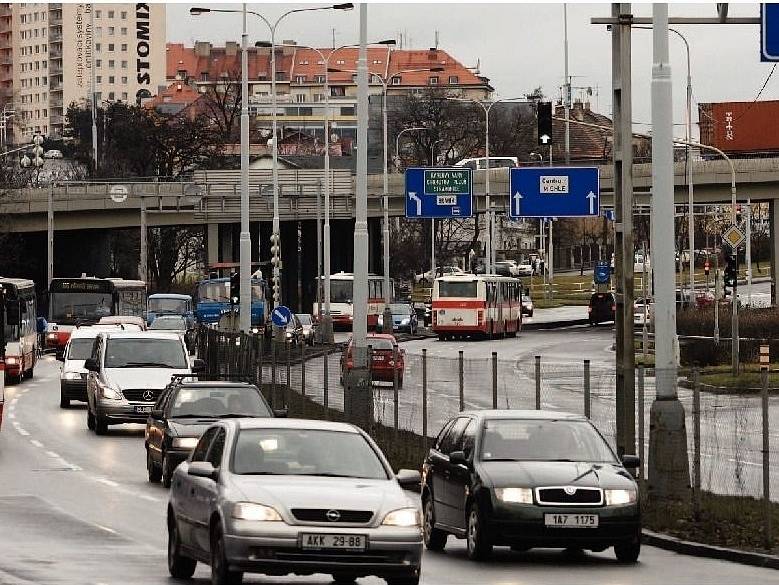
577,111
202,49
231,48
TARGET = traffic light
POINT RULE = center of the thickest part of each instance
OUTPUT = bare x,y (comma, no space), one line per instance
275,260
731,271
235,288
544,115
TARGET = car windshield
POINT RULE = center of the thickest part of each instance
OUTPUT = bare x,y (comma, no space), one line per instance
526,299
174,323
209,402
400,309
69,307
465,289
305,319
145,352
544,440
80,348
340,291
175,306
305,452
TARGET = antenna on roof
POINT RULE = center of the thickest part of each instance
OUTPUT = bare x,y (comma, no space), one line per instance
333,38
436,40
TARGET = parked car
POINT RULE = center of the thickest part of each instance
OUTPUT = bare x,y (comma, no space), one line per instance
529,479
524,268
506,268
52,154
642,312
278,496
184,410
440,271
527,306
309,327
128,322
602,307
496,162
383,365
404,318
127,373
73,375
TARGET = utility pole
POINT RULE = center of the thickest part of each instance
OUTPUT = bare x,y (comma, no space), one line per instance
669,472
245,242
567,97
94,85
623,227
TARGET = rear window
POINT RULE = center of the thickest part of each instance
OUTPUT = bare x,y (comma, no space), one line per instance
465,289
209,402
380,343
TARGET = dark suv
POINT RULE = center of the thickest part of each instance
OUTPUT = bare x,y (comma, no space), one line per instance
529,478
603,307
185,409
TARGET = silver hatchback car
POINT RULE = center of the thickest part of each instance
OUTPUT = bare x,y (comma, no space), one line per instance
279,496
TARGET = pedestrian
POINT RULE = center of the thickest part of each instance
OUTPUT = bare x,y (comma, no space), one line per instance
41,325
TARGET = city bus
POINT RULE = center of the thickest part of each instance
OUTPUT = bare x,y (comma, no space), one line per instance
342,293
21,333
212,300
484,305
83,301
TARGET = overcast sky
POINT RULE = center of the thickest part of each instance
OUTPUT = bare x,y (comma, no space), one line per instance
520,46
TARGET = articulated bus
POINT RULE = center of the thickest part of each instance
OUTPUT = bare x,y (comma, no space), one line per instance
342,293
21,333
83,301
477,306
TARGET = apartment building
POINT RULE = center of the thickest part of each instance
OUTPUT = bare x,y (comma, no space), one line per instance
48,52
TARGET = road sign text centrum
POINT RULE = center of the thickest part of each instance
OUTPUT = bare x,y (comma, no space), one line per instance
447,182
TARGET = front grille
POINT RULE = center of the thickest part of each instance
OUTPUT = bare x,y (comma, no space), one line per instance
137,394
321,515
334,556
579,496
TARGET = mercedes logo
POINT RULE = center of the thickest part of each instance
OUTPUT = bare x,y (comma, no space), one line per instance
570,490
148,395
333,515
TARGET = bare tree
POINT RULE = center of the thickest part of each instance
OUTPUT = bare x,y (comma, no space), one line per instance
221,105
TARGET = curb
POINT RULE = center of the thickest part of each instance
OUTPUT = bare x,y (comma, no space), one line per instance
698,549
554,324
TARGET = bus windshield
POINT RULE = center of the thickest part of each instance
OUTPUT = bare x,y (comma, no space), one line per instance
457,289
340,291
69,307
172,306
218,291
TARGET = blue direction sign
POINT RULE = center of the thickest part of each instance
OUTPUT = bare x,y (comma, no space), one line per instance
554,192
439,192
769,32
281,315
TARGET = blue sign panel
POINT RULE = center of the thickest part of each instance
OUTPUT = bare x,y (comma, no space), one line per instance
439,192
554,192
602,272
769,32
281,315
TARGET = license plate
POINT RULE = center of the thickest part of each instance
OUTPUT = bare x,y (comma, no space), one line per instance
378,358
333,541
143,409
571,520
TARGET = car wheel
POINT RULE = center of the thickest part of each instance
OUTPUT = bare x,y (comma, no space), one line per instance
220,573
435,538
179,567
410,579
64,401
90,420
167,471
530,314
343,579
101,426
441,337
479,544
628,551
154,472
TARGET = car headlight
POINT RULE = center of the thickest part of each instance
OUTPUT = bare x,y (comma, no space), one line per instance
405,321
51,336
405,518
185,442
513,495
255,331
256,512
619,497
71,376
110,393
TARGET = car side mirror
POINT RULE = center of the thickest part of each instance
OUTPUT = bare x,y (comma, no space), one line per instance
409,479
458,458
198,366
631,461
156,414
280,412
203,469
91,365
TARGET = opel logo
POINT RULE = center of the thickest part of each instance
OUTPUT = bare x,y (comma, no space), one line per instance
570,490
148,395
333,515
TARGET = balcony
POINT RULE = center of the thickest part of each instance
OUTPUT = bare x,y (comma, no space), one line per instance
55,85
6,60
55,53
56,120
55,16
55,70
55,36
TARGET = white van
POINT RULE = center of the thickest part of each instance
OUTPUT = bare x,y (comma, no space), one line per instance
496,162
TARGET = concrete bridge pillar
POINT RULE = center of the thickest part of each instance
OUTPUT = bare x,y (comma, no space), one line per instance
212,243
290,276
341,245
308,266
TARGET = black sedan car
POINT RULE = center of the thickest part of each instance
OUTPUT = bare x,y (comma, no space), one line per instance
602,307
184,410
529,479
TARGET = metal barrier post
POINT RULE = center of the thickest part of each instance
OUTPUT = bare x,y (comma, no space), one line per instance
395,355
461,379
495,380
768,533
538,382
641,438
286,382
303,369
696,440
326,381
587,388
273,373
424,398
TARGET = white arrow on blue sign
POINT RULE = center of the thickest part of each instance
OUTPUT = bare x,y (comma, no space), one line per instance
439,192
555,192
281,316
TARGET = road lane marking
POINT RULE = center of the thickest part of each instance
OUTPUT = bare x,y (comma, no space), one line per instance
12,415
37,443
53,455
107,482
22,432
107,529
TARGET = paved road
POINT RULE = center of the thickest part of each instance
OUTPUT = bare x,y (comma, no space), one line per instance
83,514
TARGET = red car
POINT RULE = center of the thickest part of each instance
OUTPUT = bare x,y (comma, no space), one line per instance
383,365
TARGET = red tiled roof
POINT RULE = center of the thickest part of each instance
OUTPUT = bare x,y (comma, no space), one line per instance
176,93
218,62
427,59
307,62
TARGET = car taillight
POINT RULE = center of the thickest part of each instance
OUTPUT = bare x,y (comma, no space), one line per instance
435,317
480,317
614,308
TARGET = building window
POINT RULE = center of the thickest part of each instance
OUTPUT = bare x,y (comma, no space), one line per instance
112,63
98,31
124,15
124,96
98,13
111,31
347,111
300,79
111,79
354,78
339,62
124,64
98,62
433,80
319,79
304,62
124,31
97,46
98,79
337,91
98,95
454,80
319,97
396,80
111,95
377,61
124,79
110,14
110,46
124,46
204,76
300,98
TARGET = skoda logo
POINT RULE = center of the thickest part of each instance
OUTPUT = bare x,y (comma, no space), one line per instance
148,395
570,490
333,515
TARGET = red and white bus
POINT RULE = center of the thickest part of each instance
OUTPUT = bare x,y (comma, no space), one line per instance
21,331
342,293
472,305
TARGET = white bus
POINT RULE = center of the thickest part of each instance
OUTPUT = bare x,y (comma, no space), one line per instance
342,293
21,331
484,305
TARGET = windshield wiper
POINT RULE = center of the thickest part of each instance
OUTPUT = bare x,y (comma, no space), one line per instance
325,474
146,365
235,415
593,469
208,416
